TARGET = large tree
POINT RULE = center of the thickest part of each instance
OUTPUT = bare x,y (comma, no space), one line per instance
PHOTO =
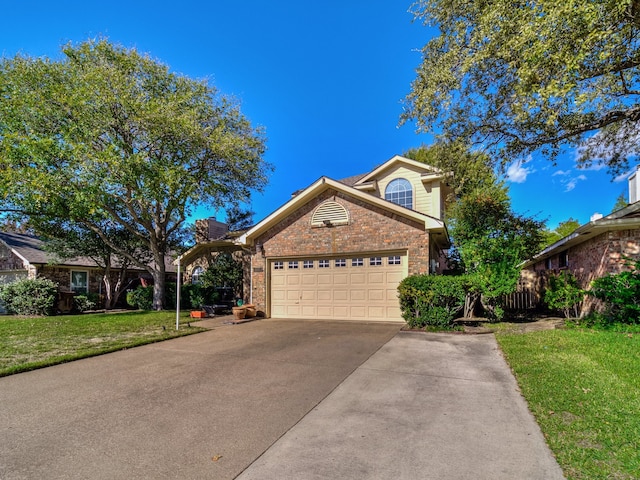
521,76
106,134
492,241
464,170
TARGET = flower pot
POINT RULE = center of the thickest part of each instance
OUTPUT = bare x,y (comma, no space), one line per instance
251,310
239,312
198,314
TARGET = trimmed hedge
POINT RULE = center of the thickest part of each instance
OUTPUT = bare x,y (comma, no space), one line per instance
432,300
30,297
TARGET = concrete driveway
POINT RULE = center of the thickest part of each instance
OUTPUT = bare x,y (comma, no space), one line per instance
276,399
197,407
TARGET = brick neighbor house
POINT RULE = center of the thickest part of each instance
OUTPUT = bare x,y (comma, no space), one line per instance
24,256
338,249
591,251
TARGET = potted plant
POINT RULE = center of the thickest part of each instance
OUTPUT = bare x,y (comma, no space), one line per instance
197,301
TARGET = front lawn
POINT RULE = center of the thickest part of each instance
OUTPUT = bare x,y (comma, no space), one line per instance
583,386
27,343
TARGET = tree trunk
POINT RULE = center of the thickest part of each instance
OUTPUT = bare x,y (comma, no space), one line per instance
158,282
470,302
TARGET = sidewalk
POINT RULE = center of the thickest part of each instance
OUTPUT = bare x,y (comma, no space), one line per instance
425,406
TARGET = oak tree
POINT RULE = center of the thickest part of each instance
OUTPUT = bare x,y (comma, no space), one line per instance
520,76
106,135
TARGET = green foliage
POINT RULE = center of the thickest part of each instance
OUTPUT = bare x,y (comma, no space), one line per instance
224,271
432,300
563,293
621,202
516,77
30,297
562,230
464,171
621,294
141,298
83,303
108,137
492,241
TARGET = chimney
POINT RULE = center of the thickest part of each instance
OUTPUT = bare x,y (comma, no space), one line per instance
634,187
210,229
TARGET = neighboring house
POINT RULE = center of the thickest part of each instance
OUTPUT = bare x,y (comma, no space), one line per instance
591,251
338,249
23,256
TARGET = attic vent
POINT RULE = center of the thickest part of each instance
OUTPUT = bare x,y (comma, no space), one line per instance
330,213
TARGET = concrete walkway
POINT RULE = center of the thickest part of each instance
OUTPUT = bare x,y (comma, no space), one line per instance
276,399
425,406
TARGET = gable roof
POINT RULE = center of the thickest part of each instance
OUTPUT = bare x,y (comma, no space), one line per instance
325,183
428,172
627,218
31,249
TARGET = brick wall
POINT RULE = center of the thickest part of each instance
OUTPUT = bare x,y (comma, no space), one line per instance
591,259
370,229
9,260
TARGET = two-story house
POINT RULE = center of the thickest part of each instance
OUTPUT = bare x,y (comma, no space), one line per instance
339,249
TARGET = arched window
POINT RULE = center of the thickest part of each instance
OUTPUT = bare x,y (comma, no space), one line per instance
399,191
196,274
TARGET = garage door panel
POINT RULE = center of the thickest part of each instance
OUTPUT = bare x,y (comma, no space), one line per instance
341,279
325,295
358,295
325,311
361,289
376,294
341,311
307,295
309,279
340,295
309,311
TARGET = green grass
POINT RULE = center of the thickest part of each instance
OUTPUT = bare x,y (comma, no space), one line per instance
27,343
583,386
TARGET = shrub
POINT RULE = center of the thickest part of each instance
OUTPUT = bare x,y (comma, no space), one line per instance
621,294
564,294
141,298
432,300
82,303
30,297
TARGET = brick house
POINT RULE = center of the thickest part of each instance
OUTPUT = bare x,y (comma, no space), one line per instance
24,256
338,249
591,251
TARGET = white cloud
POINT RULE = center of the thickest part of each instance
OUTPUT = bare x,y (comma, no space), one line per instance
517,172
572,182
561,172
624,176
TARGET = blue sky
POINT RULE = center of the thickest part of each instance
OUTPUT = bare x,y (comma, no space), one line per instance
325,78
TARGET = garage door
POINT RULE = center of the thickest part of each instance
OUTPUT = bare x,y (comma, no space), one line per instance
344,288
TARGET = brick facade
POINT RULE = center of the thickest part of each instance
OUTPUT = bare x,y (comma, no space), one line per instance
587,261
371,229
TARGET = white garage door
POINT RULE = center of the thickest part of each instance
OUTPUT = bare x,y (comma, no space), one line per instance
345,288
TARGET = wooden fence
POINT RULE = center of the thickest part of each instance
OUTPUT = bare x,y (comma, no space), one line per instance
524,300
